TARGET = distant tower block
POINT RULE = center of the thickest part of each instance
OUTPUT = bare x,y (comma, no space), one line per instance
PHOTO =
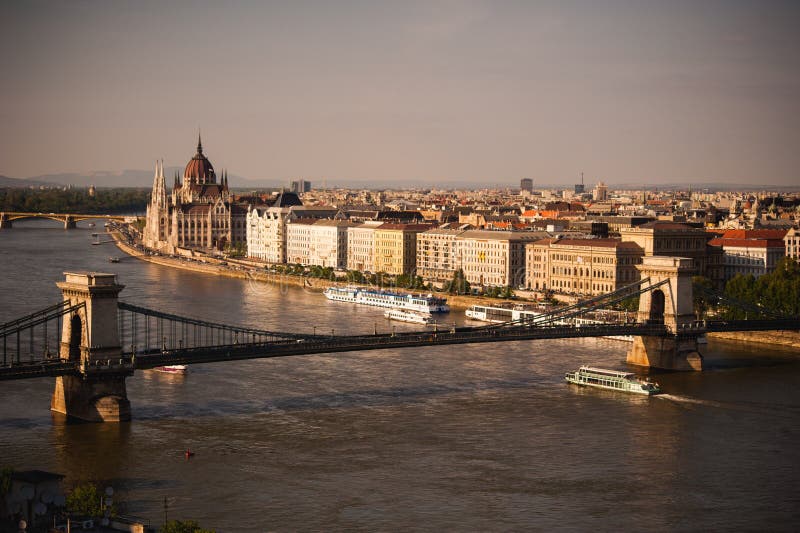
90,335
526,184
600,192
579,187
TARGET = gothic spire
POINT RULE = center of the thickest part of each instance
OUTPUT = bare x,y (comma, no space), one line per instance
199,142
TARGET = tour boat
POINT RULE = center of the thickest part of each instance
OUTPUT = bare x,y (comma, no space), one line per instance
172,369
612,380
498,314
405,315
113,259
395,300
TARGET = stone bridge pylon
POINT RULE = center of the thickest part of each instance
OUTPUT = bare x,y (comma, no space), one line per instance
88,336
670,304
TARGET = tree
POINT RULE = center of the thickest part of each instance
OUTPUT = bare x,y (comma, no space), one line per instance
701,301
85,500
5,480
184,526
741,288
459,283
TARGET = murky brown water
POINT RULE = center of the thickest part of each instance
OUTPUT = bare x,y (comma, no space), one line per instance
483,437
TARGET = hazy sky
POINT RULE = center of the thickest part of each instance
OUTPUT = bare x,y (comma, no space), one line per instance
406,92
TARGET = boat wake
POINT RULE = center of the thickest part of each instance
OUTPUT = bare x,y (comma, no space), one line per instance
764,409
685,399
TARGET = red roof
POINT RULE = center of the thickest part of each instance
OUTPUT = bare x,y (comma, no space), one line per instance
747,243
755,234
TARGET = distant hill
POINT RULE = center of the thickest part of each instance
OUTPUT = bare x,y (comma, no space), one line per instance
5,181
124,178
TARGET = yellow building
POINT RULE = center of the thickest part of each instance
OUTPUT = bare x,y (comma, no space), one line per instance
396,247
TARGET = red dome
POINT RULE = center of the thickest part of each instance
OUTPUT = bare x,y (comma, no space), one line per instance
199,169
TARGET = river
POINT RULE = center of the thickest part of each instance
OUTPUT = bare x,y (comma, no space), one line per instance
474,437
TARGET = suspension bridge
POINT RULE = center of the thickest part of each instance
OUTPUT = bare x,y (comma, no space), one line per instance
91,342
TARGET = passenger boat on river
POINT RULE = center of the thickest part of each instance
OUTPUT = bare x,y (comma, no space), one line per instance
612,380
404,315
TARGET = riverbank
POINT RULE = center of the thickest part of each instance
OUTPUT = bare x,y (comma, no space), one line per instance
789,339
241,270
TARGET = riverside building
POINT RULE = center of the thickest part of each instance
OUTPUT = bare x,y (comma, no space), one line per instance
317,242
266,226
493,258
437,258
754,252
396,247
199,213
361,246
581,266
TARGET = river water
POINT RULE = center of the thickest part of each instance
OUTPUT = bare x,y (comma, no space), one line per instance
480,437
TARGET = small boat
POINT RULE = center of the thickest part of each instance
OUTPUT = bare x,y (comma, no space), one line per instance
189,453
113,259
612,380
404,315
171,369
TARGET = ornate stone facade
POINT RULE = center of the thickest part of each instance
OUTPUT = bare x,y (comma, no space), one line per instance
199,212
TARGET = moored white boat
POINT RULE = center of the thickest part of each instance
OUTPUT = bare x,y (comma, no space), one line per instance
404,315
498,314
612,380
172,369
395,300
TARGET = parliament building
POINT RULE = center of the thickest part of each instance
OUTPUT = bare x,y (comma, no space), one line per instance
199,213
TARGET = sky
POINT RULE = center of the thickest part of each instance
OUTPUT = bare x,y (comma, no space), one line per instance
405,92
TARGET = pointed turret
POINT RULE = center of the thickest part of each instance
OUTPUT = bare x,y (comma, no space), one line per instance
159,194
199,142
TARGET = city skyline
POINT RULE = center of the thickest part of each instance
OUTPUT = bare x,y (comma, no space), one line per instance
414,93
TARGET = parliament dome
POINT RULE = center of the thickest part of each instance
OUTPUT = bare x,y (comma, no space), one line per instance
199,168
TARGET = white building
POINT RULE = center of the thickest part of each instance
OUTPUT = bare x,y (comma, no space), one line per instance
436,254
266,226
317,242
494,258
361,246
749,255
792,244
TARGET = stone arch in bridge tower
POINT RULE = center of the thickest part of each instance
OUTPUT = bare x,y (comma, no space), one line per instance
96,321
75,339
90,337
670,304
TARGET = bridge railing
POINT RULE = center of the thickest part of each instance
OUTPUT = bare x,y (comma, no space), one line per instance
35,337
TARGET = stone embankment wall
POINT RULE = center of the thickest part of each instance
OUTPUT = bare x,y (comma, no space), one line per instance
790,339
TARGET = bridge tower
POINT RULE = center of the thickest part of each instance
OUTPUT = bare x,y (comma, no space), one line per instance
90,336
69,222
672,305
5,222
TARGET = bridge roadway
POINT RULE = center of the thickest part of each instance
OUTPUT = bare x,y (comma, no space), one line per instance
69,219
127,363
